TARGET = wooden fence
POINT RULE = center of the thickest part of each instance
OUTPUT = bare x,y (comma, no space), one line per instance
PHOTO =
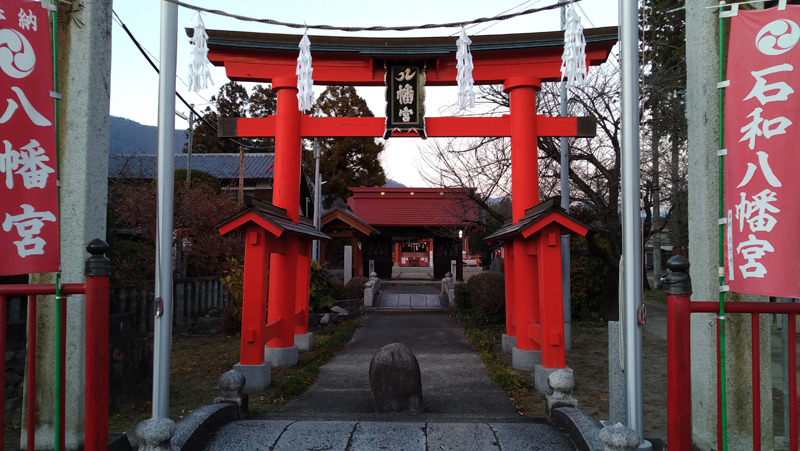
192,298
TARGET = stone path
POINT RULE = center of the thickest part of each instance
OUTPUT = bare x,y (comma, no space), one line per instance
464,410
369,436
411,298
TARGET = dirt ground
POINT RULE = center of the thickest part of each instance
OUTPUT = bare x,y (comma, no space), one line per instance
588,358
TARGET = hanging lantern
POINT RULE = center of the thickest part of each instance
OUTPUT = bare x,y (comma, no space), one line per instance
305,84
199,75
466,95
573,61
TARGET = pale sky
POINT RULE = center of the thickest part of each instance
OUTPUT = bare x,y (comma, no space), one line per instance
134,84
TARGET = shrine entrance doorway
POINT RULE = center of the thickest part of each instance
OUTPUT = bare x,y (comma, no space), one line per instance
520,62
379,252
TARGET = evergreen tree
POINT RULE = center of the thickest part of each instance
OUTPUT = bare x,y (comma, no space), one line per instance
233,101
345,162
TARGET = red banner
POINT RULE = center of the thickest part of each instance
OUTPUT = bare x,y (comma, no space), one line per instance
29,241
762,166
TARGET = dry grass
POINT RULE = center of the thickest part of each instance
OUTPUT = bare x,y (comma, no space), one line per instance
197,361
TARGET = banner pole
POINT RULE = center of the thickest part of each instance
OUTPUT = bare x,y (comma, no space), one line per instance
631,238
721,237
166,175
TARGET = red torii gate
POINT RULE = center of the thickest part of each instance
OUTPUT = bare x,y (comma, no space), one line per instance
518,61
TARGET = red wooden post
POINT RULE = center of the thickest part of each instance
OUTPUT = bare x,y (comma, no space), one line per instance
282,291
526,284
3,320
511,306
755,362
286,192
97,309
286,187
550,296
679,375
794,395
524,156
31,393
303,287
525,192
254,302
679,372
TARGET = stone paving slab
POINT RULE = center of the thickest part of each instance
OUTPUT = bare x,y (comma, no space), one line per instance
396,436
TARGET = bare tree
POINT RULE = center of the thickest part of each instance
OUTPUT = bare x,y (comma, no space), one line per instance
594,165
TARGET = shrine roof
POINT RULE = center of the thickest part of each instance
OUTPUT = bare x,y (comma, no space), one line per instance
396,47
274,217
414,207
343,214
220,165
537,214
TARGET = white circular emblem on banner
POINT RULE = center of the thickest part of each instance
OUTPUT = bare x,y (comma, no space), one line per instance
778,37
16,54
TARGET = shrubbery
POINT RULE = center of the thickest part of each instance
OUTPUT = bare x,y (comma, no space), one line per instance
322,291
231,312
488,295
482,298
338,288
354,289
587,277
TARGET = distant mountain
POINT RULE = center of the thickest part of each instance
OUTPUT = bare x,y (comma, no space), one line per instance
129,137
393,184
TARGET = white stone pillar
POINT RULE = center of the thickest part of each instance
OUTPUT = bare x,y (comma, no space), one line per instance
348,263
702,110
84,49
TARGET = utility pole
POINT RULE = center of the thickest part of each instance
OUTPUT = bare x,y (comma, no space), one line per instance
656,232
565,260
189,146
317,202
241,175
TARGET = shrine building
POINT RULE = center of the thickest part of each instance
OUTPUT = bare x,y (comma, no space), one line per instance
401,227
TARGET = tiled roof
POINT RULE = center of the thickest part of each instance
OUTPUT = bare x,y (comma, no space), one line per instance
220,165
532,215
277,217
413,206
342,213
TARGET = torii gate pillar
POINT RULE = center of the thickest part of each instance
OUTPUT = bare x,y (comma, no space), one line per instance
524,155
288,273
525,194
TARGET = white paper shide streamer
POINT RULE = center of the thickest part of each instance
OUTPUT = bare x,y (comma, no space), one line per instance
199,75
466,95
573,61
305,84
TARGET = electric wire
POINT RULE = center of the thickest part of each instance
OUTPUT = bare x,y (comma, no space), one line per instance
177,94
372,28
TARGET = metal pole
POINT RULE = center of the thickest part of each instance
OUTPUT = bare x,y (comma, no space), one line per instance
241,175
656,138
631,239
565,260
189,145
166,177
317,201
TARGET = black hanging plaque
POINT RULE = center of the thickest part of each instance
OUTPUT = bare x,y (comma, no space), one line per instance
405,98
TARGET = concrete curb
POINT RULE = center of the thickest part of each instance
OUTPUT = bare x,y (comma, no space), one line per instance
582,428
201,423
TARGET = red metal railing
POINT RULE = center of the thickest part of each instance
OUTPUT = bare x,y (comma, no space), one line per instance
96,400
679,310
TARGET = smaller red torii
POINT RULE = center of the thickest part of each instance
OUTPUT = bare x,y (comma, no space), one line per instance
537,325
271,239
